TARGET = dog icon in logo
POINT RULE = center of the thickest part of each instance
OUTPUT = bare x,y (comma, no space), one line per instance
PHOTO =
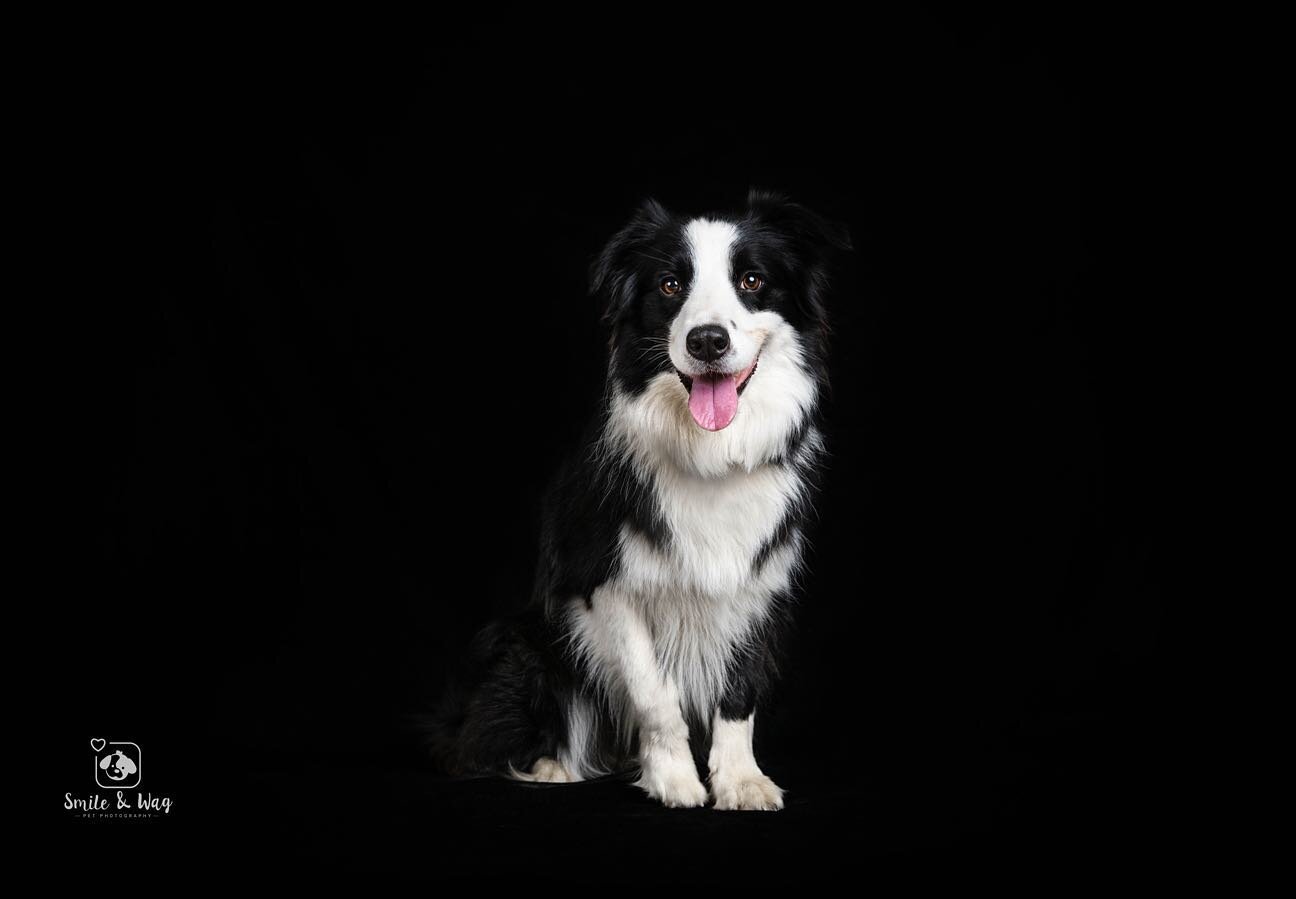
119,767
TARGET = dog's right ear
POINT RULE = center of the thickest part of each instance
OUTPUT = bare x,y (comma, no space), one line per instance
612,272
817,232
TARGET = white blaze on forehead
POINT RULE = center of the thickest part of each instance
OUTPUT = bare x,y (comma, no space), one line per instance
712,290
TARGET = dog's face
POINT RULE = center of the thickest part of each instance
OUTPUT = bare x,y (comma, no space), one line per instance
118,766
719,321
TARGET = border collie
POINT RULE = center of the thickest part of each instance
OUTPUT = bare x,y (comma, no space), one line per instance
672,540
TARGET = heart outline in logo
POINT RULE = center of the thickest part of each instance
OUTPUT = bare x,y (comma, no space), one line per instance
97,744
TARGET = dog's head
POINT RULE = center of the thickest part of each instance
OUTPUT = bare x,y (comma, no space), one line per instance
118,766
719,323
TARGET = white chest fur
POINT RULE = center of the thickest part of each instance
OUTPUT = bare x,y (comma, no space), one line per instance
700,595
716,526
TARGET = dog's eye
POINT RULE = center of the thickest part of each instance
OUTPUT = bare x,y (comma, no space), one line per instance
751,281
669,285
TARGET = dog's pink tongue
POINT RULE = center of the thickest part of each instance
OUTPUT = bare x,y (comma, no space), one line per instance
714,400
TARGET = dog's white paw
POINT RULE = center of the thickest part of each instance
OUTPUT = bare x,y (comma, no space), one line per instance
544,771
747,792
671,780
549,771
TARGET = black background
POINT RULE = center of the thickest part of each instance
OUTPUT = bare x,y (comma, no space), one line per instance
342,337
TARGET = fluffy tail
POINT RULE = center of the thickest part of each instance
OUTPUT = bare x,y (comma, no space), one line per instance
503,710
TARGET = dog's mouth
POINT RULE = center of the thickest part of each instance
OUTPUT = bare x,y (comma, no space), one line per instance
713,396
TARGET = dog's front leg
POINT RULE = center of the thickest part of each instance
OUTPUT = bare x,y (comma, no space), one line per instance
737,782
623,644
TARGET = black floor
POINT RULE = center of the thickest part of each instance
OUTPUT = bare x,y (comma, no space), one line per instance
347,820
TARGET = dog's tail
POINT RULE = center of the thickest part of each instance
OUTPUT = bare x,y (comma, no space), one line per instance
435,730
500,712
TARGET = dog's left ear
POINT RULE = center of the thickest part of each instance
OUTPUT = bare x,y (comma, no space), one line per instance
612,272
815,231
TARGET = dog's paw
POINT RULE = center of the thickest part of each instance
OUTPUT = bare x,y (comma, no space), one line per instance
671,780
748,792
544,771
549,771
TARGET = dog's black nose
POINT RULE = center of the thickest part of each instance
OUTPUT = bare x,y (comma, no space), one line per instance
707,342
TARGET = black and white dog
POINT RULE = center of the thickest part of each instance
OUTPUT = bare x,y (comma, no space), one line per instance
672,540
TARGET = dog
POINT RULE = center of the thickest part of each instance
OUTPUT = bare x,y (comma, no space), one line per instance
672,540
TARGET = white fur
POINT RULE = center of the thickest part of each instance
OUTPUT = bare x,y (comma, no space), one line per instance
737,782
576,755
